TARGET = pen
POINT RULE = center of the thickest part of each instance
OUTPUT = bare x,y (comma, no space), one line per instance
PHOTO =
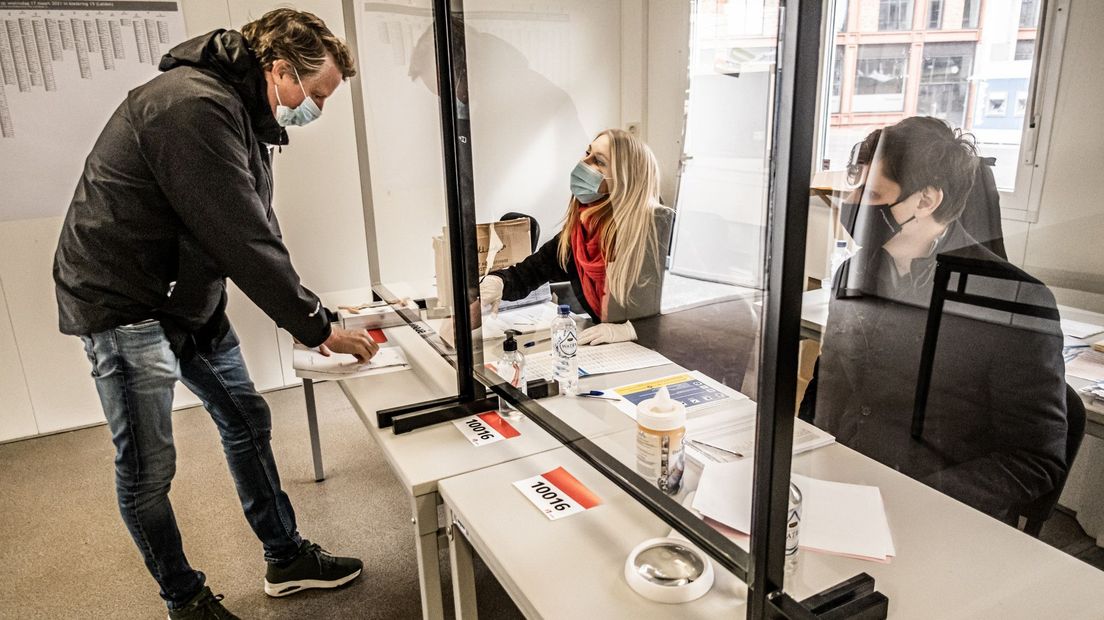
536,342
702,444
597,394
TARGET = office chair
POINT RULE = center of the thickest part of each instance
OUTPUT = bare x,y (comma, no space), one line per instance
1039,511
981,218
534,226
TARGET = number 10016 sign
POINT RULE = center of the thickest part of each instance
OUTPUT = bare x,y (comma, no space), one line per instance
557,493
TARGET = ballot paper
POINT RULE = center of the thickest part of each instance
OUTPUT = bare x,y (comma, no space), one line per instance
1077,329
1088,365
693,389
598,360
309,363
738,435
836,518
526,320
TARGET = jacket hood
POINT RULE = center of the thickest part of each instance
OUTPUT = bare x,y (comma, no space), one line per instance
226,54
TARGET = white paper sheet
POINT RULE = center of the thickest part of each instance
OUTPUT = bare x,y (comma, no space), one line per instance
338,364
599,360
1088,365
837,518
738,435
1078,329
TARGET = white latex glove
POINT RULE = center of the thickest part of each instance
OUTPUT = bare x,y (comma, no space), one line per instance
490,292
606,333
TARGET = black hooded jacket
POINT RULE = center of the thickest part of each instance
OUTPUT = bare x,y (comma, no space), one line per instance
175,197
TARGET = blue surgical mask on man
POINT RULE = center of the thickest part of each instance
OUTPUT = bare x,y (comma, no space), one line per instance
585,184
300,115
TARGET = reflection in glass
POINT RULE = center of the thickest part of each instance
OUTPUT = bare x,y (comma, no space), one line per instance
995,427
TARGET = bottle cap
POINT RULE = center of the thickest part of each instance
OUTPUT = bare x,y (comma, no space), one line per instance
510,344
661,412
564,310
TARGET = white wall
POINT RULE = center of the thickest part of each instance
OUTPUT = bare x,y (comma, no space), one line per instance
44,376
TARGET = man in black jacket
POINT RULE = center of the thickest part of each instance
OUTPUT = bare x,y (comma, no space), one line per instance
995,428
175,197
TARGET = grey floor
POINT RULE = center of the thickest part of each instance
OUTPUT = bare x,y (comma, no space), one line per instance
64,552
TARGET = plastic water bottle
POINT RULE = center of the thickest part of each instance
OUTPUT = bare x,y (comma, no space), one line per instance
565,347
839,257
793,526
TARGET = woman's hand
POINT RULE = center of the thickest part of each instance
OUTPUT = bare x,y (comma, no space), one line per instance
607,333
490,292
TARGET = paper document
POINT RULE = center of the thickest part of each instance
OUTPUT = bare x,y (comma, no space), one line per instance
1088,365
693,389
738,435
339,364
1078,329
527,320
599,360
836,518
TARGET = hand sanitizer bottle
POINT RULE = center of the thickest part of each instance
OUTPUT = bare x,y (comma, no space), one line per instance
511,367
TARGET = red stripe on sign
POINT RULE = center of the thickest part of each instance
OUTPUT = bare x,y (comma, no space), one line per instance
571,487
378,335
496,422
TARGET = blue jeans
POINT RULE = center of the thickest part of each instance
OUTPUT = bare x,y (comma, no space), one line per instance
135,373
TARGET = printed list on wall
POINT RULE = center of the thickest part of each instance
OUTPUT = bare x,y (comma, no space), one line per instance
65,66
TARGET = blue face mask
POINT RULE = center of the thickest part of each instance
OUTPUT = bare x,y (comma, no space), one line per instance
300,115
585,182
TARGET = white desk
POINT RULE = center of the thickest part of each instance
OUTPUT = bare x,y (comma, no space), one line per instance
952,561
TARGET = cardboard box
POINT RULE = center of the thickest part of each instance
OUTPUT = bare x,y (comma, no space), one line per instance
506,243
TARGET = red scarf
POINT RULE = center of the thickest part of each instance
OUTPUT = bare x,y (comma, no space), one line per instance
586,248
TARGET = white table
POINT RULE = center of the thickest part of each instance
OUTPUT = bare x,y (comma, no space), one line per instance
952,561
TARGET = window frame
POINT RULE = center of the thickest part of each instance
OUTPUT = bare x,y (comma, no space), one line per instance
1021,203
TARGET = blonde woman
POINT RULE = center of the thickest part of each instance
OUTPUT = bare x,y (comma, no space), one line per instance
611,247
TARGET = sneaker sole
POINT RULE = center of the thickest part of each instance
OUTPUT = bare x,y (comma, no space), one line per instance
286,588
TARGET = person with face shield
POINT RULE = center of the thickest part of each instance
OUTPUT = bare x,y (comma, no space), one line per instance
175,197
995,428
612,246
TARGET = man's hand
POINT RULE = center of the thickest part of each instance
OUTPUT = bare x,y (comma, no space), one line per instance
355,342
490,292
607,333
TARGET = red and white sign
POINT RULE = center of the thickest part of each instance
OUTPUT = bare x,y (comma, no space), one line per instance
486,428
557,493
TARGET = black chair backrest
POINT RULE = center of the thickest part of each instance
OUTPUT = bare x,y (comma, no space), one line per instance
534,226
982,216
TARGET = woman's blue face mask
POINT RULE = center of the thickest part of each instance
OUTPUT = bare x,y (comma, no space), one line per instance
585,184
300,115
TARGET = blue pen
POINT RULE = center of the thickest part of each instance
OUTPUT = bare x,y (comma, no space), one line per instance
534,343
597,394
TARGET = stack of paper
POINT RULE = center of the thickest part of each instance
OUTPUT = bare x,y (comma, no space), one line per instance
737,435
837,518
309,362
599,360
1088,365
526,320
1077,329
1095,391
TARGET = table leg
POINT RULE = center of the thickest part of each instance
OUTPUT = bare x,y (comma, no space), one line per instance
428,547
312,426
463,572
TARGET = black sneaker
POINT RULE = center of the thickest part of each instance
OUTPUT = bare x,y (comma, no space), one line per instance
313,567
203,606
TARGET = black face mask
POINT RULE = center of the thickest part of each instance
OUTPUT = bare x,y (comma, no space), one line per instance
849,215
875,228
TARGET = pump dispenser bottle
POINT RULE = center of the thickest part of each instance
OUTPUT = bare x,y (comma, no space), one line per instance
511,367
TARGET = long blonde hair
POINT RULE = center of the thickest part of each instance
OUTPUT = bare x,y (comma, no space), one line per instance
625,219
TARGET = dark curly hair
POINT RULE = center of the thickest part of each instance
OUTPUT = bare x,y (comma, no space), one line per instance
298,37
923,151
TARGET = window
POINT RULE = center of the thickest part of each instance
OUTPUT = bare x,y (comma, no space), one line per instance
895,15
935,14
1029,13
1025,49
980,82
944,81
970,10
837,79
880,78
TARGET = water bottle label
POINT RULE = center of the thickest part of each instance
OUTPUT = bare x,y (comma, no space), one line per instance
567,345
